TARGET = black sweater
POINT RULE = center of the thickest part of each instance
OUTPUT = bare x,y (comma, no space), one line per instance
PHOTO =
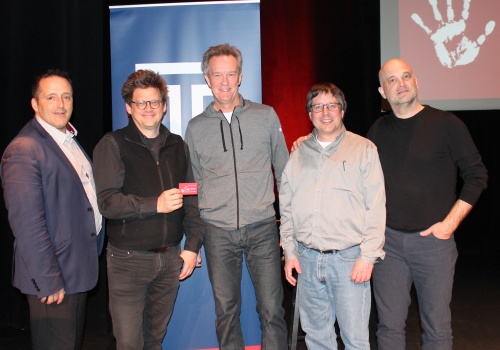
420,157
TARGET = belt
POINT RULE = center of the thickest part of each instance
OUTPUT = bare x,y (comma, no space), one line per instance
159,250
331,251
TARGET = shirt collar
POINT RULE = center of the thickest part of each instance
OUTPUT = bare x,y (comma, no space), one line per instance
339,137
58,136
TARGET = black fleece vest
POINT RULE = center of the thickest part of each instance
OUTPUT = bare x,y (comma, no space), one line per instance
144,177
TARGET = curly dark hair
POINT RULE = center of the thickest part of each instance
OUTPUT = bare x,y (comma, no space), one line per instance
143,79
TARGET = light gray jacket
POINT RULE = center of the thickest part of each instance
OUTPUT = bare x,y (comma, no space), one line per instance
233,163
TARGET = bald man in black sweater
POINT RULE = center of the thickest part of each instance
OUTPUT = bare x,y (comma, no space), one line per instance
421,149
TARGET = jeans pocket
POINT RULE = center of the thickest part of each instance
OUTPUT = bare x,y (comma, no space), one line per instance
119,254
301,249
349,254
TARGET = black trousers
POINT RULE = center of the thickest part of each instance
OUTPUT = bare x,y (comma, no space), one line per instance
57,327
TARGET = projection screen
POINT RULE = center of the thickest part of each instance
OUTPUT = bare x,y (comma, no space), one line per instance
452,46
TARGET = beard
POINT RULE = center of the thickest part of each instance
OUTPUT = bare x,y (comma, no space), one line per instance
406,100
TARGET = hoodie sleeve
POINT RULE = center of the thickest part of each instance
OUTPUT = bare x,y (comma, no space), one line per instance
193,225
278,146
195,163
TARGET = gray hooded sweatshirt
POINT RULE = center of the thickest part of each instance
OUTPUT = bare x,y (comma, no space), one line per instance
232,163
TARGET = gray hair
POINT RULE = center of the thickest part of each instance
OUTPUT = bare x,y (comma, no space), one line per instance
221,50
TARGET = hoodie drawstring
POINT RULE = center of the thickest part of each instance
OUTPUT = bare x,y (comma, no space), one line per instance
222,134
239,128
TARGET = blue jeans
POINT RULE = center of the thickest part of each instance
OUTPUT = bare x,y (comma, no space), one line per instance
325,293
142,291
224,254
429,263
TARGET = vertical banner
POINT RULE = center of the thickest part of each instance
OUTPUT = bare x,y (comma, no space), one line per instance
171,39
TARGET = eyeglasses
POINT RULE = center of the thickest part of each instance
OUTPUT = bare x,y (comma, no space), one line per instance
330,106
142,104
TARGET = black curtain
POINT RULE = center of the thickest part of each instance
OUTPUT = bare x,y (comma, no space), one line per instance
37,35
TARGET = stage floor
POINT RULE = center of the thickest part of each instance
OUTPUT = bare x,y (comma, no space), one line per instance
475,307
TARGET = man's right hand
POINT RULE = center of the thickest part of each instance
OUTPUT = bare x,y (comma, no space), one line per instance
297,142
169,201
290,265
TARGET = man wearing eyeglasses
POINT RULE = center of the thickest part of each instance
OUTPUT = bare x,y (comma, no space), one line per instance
332,203
138,170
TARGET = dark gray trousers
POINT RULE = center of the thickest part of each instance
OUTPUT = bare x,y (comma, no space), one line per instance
224,253
57,327
429,264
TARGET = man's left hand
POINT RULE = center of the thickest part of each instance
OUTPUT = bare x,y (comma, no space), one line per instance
296,143
362,272
189,264
440,230
444,229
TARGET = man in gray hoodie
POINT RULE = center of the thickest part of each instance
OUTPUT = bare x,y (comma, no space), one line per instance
234,146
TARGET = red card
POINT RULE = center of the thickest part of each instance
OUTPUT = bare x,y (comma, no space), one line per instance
188,188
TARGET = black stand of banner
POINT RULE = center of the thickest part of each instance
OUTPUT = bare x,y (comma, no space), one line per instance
294,322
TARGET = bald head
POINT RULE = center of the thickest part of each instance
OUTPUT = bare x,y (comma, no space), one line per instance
399,86
394,64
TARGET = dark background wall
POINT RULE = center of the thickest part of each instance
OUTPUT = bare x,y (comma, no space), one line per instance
303,42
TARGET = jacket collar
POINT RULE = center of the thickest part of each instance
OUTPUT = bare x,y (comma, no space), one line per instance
337,139
51,144
133,134
240,108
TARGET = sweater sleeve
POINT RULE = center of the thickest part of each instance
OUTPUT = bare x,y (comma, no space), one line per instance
468,160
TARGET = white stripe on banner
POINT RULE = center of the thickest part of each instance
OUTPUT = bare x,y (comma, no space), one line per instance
172,68
198,92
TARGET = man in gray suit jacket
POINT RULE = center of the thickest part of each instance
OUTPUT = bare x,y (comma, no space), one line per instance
50,196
